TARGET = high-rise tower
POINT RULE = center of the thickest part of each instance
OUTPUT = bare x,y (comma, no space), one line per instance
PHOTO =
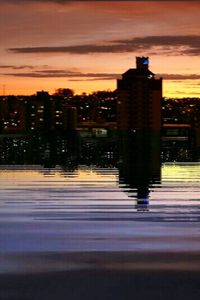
139,124
139,98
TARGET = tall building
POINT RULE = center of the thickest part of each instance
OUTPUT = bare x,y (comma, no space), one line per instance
139,98
139,120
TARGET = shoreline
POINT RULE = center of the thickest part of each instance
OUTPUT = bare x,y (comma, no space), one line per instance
50,262
102,284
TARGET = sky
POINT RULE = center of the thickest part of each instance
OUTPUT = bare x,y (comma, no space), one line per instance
86,46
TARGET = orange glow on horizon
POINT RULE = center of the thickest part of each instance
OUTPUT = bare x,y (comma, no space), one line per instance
187,88
28,28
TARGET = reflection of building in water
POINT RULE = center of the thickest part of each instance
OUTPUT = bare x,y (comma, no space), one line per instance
140,166
67,149
59,149
178,142
139,123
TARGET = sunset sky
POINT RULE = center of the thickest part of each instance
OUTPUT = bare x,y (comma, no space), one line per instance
46,44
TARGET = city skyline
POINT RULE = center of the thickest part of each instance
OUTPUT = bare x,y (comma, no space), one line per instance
85,46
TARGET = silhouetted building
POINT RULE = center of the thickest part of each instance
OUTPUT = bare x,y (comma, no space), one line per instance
46,113
139,98
139,124
69,117
12,114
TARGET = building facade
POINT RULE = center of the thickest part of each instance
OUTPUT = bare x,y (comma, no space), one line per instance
139,122
139,98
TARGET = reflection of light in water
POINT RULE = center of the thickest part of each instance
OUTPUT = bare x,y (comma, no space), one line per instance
56,175
181,172
142,205
90,212
90,188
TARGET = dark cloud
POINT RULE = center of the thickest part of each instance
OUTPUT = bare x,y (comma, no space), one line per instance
79,49
179,77
6,67
42,1
193,84
186,93
22,67
80,76
67,1
170,45
65,74
62,2
95,79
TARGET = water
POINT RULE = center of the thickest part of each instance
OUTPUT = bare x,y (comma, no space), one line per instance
46,212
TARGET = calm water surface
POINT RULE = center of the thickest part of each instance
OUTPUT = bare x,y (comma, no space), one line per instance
58,211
